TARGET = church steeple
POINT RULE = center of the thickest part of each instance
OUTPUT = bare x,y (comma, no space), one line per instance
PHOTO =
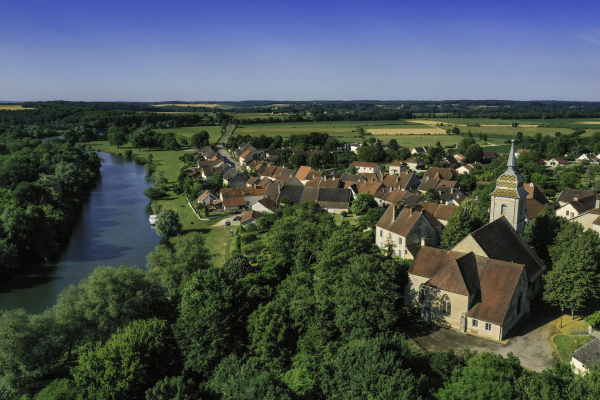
509,198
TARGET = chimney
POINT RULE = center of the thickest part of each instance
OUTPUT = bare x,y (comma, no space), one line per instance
411,210
597,201
531,184
575,198
394,212
422,242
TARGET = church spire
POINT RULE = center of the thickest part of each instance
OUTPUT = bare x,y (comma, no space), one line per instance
511,157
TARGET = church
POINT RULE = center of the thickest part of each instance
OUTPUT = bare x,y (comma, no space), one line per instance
485,283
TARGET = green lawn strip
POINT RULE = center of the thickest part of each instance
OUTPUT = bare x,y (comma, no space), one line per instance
567,344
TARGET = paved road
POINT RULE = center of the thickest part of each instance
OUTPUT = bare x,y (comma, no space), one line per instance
532,343
221,146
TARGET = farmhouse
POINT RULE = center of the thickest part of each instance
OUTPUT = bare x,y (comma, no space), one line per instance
397,167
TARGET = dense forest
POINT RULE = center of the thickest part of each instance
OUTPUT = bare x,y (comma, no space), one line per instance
318,315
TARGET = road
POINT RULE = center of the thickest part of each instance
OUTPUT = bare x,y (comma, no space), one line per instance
223,151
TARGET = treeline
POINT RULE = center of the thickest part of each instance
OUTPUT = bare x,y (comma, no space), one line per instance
42,186
318,315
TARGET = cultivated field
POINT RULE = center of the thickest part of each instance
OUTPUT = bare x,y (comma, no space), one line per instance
407,131
211,105
13,107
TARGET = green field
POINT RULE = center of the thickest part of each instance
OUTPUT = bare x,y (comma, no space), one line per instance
213,131
217,240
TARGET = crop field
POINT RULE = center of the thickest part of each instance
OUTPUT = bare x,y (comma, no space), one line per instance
406,133
188,131
211,105
13,107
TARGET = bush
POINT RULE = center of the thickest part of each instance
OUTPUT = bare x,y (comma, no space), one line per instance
129,153
251,228
248,238
550,192
344,214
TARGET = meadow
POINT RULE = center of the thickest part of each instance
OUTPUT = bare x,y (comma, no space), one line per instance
210,105
188,131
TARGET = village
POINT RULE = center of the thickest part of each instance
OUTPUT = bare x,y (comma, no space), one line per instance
482,286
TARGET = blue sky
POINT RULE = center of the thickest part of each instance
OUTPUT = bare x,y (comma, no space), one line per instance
282,50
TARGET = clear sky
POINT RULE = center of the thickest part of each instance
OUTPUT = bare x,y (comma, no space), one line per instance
222,50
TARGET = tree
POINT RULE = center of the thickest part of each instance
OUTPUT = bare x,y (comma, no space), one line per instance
212,321
200,139
485,376
172,264
542,231
456,131
116,136
474,153
297,160
362,203
574,279
570,179
129,363
168,224
159,178
432,196
458,227
237,267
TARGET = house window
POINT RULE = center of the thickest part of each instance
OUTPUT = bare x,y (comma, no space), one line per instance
391,237
488,327
381,233
422,292
567,213
475,323
503,209
446,306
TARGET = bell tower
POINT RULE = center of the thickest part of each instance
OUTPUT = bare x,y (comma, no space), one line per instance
509,197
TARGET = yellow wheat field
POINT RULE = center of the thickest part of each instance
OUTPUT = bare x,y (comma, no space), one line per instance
13,107
407,131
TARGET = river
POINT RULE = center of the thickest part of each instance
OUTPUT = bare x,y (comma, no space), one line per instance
113,230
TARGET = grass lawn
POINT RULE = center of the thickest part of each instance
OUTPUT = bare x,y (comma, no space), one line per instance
217,240
188,131
352,218
566,344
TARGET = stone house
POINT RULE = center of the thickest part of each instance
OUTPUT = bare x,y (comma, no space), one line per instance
556,162
206,198
250,217
407,229
585,356
415,163
589,219
470,293
366,167
397,167
334,200
265,205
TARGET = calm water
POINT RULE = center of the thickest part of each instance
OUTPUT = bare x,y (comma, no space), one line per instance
113,230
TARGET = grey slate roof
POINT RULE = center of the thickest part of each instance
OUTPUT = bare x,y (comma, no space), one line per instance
292,192
589,353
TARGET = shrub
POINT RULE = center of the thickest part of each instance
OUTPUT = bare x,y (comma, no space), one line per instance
344,214
153,193
129,153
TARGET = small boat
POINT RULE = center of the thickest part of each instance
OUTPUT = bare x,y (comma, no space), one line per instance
153,218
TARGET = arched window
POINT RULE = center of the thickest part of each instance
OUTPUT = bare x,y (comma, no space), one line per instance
503,209
446,305
422,292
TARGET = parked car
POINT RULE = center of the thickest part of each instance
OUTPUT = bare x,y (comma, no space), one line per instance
227,223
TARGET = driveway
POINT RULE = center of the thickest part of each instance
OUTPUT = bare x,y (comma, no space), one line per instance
531,341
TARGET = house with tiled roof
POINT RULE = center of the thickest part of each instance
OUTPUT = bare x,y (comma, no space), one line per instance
574,202
369,187
310,193
448,174
419,150
451,161
407,229
441,212
467,168
407,180
591,157
415,163
585,356
334,201
475,294
489,156
253,180
557,162
397,167
303,173
250,217
206,198
589,219
235,198
366,167
265,205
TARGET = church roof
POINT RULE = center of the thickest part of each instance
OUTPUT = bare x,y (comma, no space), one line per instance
510,183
